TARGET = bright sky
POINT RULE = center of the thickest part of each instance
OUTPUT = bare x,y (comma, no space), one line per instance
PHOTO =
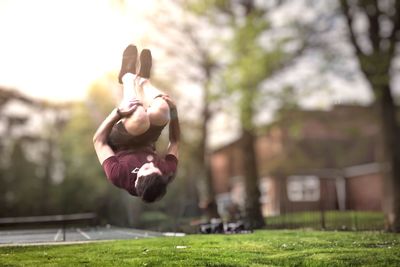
54,49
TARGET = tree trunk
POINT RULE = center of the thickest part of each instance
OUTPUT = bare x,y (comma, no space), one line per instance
391,142
390,136
391,139
376,66
252,204
46,180
207,202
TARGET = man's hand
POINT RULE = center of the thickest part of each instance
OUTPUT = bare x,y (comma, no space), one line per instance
127,110
169,101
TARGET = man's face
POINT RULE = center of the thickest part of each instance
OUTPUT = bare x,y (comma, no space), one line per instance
147,169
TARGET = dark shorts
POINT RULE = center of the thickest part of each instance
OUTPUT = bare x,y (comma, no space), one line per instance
120,139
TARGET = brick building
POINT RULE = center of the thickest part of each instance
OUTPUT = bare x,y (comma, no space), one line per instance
308,160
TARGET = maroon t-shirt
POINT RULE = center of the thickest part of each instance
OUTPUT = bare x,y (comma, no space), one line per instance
121,169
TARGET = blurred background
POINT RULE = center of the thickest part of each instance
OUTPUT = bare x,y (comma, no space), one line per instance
288,110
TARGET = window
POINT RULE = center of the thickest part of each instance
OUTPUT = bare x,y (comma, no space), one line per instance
265,187
303,188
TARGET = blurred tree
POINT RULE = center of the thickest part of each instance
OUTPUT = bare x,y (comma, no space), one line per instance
244,76
23,188
49,157
27,160
251,62
376,47
189,51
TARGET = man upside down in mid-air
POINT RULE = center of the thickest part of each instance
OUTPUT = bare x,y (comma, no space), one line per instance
125,140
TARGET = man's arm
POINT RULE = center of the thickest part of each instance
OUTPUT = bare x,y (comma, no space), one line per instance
174,129
103,150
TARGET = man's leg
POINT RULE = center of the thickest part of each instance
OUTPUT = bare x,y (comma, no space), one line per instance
158,112
157,108
128,65
127,74
144,89
129,91
139,121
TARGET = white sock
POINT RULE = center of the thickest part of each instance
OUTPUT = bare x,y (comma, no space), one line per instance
128,83
128,78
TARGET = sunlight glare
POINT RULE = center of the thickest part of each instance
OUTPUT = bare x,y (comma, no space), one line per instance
56,49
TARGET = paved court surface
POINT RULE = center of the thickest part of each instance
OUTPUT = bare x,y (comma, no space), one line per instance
54,235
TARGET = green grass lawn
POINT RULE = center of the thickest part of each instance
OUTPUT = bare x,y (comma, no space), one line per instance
261,248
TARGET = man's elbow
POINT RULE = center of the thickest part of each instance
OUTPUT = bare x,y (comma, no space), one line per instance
98,140
95,139
174,142
173,146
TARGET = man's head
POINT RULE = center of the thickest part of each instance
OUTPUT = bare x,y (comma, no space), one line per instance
150,183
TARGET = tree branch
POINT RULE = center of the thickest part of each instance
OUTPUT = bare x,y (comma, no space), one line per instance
395,35
372,11
349,19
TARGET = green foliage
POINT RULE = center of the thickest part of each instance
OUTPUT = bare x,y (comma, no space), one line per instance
22,183
248,66
204,6
262,248
85,187
334,220
251,64
100,98
288,100
153,219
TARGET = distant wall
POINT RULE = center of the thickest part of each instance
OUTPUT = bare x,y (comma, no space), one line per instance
364,192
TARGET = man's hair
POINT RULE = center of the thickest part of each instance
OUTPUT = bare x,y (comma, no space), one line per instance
151,187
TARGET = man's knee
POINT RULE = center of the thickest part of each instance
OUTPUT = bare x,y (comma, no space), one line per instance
159,112
138,122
